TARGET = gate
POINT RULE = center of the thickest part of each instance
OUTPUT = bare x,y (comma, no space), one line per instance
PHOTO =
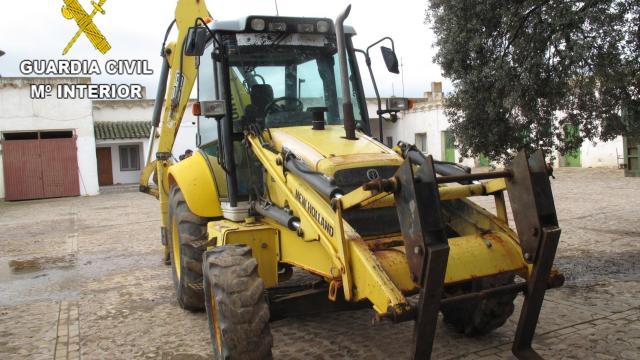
40,168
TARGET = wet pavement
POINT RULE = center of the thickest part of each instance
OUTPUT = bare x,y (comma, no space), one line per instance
83,278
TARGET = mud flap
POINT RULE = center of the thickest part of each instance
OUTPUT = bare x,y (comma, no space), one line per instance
427,249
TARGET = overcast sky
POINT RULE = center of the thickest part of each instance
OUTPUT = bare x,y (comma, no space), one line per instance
36,30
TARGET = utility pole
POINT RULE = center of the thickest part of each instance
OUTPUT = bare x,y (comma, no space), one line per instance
402,74
277,12
1,54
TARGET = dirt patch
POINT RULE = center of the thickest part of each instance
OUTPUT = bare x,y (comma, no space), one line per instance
33,264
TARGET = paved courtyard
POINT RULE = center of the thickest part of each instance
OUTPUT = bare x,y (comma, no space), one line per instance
83,278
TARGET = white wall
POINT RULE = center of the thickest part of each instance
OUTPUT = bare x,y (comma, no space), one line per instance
426,117
429,117
18,112
601,154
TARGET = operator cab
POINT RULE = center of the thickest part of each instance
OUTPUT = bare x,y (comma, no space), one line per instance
271,72
278,68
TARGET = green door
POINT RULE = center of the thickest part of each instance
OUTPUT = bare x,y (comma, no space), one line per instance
449,151
483,160
572,159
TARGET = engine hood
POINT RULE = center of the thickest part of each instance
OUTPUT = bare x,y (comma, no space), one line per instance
327,151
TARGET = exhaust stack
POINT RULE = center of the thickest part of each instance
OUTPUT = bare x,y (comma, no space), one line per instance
347,106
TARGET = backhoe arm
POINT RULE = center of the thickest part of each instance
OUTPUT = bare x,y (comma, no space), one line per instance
181,74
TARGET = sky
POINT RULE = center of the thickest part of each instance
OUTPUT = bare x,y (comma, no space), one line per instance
36,29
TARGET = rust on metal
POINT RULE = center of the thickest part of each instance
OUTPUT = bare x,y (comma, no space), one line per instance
378,186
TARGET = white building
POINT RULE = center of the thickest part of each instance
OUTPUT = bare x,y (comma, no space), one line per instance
52,148
427,126
122,129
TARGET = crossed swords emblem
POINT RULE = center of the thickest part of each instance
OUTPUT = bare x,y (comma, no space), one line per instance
73,10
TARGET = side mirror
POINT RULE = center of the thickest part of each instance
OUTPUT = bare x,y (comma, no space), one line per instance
390,59
196,41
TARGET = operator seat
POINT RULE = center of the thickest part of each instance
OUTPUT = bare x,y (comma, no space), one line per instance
261,95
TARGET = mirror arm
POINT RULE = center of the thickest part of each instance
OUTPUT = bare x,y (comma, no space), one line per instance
367,60
213,34
393,47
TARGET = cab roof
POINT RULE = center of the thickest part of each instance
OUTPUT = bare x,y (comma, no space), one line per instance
240,24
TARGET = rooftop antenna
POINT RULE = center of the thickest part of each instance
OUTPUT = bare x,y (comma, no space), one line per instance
277,12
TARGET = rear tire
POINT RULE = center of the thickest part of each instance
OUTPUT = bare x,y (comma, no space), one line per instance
187,235
482,317
237,310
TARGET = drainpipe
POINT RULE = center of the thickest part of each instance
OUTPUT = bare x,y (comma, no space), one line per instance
347,106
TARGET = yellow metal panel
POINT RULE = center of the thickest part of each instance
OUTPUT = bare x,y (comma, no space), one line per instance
482,255
450,192
495,185
394,263
327,150
262,239
371,281
470,257
309,255
196,182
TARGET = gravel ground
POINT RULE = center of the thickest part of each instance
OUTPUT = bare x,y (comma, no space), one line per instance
83,278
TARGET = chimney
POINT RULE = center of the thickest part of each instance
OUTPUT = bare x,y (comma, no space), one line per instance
436,87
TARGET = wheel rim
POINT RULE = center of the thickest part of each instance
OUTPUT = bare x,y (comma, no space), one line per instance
175,244
214,321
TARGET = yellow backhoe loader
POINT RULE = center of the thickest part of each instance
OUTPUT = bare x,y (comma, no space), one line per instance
288,176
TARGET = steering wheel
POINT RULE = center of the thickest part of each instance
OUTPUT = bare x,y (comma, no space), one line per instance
283,103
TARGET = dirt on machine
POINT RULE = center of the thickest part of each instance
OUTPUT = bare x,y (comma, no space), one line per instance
288,175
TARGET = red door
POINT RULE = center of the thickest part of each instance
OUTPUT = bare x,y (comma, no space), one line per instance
36,169
105,173
22,170
59,159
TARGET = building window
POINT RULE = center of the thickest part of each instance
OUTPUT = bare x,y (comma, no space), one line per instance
421,142
129,157
389,141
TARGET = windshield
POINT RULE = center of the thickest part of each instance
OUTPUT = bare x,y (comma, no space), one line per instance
276,78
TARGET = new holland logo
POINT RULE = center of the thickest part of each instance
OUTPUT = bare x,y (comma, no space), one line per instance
372,174
73,10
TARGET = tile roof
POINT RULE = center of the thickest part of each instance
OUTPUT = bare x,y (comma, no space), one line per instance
105,130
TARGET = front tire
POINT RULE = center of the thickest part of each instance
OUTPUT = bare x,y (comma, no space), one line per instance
482,317
237,309
187,239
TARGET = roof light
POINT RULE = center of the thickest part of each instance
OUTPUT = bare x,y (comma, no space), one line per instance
257,24
305,28
322,26
279,26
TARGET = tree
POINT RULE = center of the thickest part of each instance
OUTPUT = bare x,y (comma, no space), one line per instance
538,73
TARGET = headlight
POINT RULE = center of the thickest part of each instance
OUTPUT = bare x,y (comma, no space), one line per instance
257,24
277,27
322,26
